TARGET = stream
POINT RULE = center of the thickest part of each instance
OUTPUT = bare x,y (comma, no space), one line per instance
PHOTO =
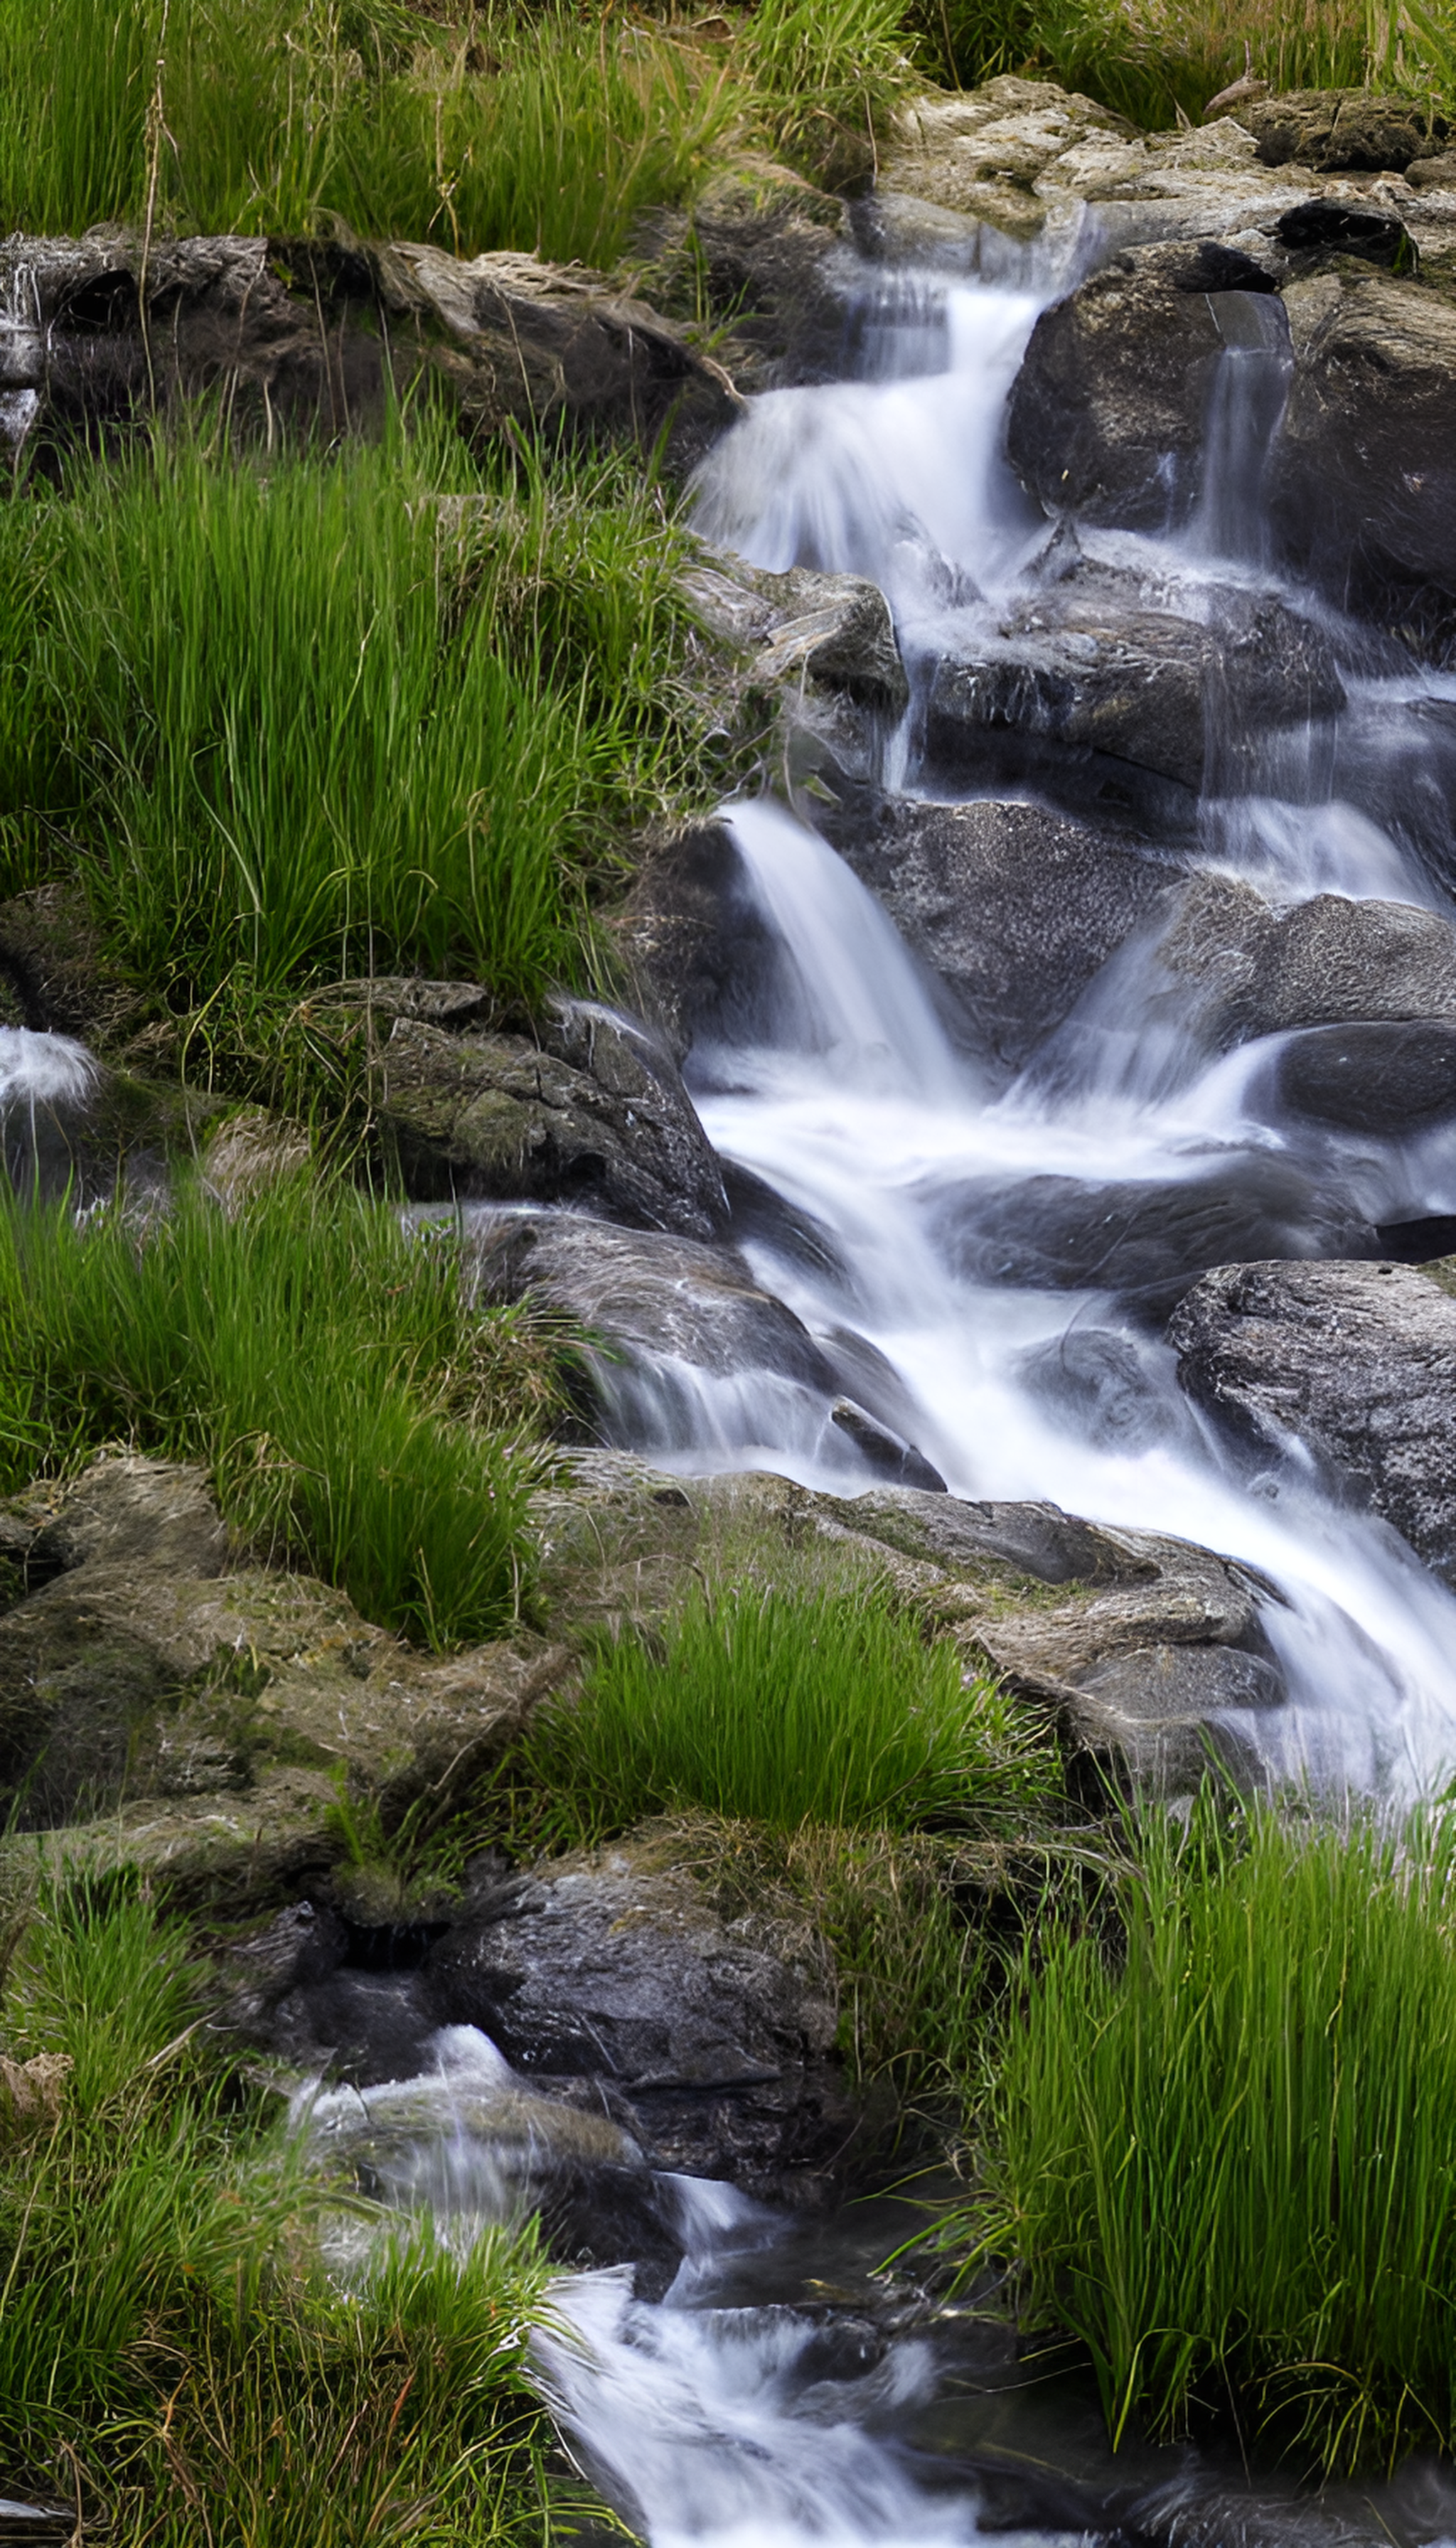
784,2392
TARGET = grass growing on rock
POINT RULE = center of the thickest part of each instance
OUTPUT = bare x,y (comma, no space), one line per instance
816,1706
170,2346
1225,2162
306,715
355,1413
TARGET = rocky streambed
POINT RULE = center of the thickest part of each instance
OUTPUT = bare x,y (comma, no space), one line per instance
1021,1159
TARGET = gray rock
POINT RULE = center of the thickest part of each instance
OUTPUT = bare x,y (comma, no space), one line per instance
1327,961
1354,1363
762,252
1362,480
979,154
1014,906
832,629
594,1113
703,963
1343,128
1107,414
1386,1079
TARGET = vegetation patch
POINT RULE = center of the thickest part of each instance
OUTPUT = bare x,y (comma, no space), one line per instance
1224,2158
355,1412
171,2348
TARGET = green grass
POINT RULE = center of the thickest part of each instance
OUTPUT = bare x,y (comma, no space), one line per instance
355,1413
818,1706
1226,2163
310,718
169,2344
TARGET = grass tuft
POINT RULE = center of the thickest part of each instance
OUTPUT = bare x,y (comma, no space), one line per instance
1226,2164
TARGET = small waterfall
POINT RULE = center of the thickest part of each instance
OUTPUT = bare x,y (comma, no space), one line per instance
1250,386
21,357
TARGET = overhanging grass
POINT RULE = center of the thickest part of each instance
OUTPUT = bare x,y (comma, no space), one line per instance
817,1707
1228,2165
327,1368
330,716
167,2338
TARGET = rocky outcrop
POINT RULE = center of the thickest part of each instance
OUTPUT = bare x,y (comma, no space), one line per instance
1015,907
1363,475
980,154
1352,1366
306,332
211,1709
1109,412
834,631
591,1111
766,254
1090,667
1344,128
1327,961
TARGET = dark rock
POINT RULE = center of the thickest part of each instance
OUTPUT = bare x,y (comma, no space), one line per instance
1389,1080
885,1450
762,252
1091,666
1107,416
1343,128
1327,961
1362,479
1437,174
704,964
1356,1363
1014,906
1329,228
617,1965
1096,1381
1142,1241
594,1112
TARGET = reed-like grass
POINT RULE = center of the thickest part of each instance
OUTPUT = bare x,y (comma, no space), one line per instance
169,2344
310,715
326,1367
819,1706
1226,2163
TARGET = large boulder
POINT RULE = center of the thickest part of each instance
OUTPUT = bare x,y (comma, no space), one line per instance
1015,907
1109,412
590,1109
1328,961
1363,473
147,1662
1344,128
1389,1079
1353,1364
1092,666
306,332
980,153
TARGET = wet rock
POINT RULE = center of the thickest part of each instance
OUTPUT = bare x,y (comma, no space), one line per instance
1014,906
1355,1365
705,966
593,1112
151,1665
1326,227
1362,479
308,332
1108,414
835,630
762,252
1096,1382
713,2034
1092,666
1344,128
1144,1242
884,1450
1327,961
1386,1079
980,153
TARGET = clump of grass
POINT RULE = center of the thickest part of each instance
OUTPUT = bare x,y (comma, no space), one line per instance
818,1706
169,2343
826,70
316,716
351,1406
1225,2162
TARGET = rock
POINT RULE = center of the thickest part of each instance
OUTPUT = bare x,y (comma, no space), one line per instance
835,630
1087,666
1437,173
594,1112
300,331
1013,906
1143,1241
151,1665
1109,410
1326,227
980,153
1327,961
763,252
225,1852
1362,478
1354,1363
704,964
714,2033
1343,128
1386,1079
884,1450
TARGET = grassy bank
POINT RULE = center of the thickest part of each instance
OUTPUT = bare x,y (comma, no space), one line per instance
172,2349
1224,2159
384,711
355,1414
